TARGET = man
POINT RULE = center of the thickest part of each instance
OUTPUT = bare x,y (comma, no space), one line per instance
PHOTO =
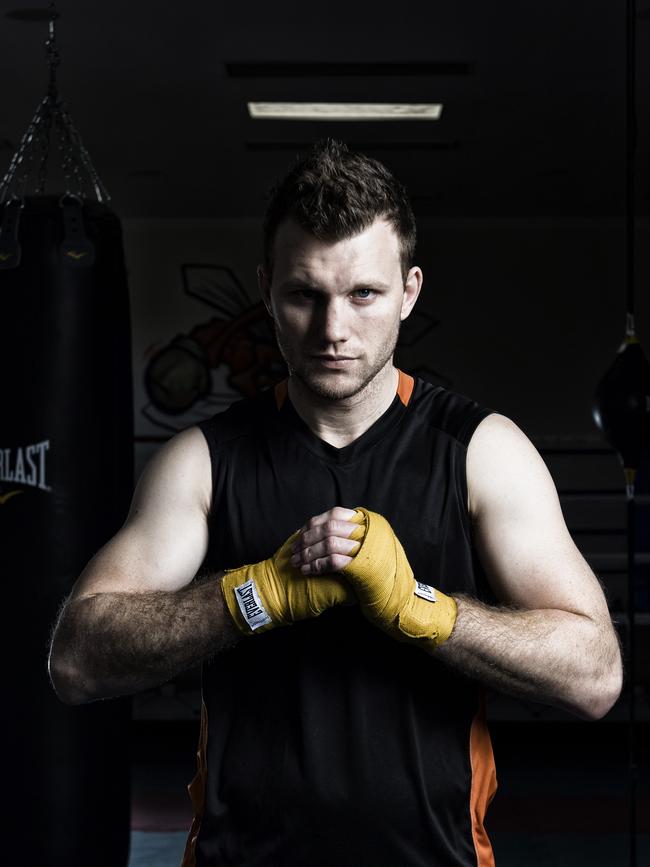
402,545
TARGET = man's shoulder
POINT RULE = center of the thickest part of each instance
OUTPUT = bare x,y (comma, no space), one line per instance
500,460
241,417
189,455
452,412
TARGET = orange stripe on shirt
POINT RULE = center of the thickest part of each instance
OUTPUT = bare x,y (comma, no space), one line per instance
196,791
281,392
405,385
484,784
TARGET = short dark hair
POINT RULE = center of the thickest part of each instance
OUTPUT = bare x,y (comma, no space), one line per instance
335,193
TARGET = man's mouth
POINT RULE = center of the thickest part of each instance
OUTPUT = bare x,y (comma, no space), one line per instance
334,360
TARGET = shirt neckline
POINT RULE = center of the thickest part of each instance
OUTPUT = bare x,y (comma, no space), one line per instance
367,440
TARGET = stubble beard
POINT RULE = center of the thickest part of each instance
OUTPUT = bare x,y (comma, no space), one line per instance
332,386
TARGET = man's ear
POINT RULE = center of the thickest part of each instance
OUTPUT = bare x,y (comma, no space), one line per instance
264,285
412,288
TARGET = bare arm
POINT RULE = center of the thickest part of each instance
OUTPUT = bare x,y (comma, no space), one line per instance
553,640
135,617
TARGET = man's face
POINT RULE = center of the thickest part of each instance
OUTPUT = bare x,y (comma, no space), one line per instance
337,306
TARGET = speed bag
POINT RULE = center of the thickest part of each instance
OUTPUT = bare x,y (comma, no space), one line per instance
66,478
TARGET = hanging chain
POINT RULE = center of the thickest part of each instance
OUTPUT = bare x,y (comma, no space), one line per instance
53,59
69,164
53,56
33,153
44,142
82,157
28,143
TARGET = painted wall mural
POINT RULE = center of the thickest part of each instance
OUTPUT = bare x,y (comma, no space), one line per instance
230,355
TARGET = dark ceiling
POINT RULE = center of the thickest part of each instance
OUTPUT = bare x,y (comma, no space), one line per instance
534,98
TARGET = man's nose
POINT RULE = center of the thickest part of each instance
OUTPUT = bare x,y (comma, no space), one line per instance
334,324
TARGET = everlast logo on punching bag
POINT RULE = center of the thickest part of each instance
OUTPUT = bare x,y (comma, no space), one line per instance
24,465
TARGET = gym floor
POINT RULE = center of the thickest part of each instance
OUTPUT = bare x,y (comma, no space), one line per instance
562,800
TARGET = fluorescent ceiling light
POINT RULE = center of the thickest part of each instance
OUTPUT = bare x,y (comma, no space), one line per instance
344,111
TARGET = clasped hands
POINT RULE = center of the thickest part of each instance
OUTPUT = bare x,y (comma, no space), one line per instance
340,557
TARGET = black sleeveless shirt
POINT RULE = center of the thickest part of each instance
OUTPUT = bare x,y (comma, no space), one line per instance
327,743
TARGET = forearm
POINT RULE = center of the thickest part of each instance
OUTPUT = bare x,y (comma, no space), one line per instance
120,643
550,656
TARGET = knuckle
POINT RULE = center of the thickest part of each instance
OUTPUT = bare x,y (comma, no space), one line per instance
339,561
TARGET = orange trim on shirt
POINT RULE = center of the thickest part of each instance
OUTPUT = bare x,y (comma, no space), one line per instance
196,791
405,386
484,784
281,392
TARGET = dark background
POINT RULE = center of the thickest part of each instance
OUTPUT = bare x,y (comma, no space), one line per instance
528,156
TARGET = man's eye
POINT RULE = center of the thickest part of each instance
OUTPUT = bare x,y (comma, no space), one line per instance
364,293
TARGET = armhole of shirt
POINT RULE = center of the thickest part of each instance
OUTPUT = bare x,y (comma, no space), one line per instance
205,427
483,587
464,436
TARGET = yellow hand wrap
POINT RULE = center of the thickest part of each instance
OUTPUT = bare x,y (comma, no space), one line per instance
388,593
273,593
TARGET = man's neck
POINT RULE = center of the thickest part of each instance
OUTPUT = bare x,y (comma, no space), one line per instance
341,422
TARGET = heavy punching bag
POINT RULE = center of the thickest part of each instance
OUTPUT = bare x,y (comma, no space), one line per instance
66,477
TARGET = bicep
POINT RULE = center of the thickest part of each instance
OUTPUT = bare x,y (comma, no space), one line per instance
165,537
519,530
